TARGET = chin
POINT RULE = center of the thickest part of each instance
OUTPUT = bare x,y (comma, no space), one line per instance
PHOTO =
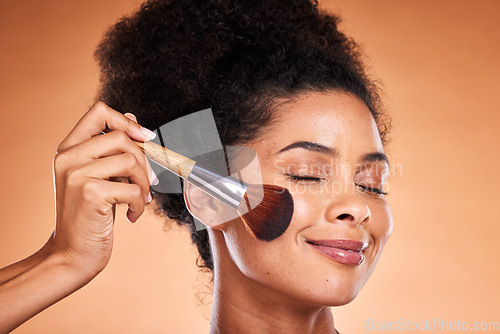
331,294
339,298
342,300
338,295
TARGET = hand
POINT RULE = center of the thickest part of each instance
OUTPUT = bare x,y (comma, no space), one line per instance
86,167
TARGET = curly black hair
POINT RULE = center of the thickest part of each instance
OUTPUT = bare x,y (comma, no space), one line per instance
175,57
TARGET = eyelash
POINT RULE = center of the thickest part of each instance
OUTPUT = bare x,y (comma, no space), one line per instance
303,178
371,190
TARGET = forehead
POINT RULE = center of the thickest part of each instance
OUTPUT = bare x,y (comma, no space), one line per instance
333,119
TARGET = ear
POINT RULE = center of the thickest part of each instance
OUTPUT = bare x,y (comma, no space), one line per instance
207,209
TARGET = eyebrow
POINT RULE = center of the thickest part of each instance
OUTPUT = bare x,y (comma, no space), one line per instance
315,147
310,146
374,157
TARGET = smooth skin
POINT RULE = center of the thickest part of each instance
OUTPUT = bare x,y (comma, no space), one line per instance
87,170
282,286
286,286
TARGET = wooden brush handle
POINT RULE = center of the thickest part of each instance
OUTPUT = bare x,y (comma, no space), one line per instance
174,162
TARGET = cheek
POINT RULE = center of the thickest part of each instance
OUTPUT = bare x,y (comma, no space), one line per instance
307,209
259,259
385,227
254,258
381,226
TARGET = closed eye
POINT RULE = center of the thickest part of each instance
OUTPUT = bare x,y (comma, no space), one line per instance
298,178
372,190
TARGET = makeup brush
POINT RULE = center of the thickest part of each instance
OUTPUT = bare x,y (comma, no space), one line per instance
266,210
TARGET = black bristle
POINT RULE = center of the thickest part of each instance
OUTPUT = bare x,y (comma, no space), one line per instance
266,211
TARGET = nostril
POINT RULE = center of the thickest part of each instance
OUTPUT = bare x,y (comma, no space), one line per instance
344,216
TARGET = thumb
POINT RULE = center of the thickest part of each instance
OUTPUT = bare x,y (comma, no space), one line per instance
130,116
152,175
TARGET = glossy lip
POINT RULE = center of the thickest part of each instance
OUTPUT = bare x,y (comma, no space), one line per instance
344,251
351,245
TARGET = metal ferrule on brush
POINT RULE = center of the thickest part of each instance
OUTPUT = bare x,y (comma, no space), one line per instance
225,188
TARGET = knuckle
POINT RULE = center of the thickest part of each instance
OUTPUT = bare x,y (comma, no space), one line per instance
100,107
99,110
73,177
91,191
59,162
121,137
129,159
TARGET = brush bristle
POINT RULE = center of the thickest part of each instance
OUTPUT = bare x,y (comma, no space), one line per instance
270,218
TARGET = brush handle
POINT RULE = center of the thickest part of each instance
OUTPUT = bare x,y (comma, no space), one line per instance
226,189
174,162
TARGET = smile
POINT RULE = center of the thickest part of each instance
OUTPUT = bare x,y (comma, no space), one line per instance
344,251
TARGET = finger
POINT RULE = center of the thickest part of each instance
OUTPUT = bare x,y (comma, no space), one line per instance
112,143
120,193
124,165
132,216
152,175
130,116
97,119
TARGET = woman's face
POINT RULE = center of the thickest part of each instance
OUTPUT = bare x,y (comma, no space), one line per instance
326,150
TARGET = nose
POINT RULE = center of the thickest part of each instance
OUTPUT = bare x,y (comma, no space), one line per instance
347,207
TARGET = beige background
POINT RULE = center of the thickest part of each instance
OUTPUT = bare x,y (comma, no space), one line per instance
439,63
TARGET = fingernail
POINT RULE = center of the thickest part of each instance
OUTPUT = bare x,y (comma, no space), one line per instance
126,215
148,133
150,198
130,116
153,179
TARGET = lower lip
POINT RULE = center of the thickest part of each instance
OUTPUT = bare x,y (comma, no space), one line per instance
340,255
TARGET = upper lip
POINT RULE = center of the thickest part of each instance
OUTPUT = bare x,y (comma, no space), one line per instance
347,244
